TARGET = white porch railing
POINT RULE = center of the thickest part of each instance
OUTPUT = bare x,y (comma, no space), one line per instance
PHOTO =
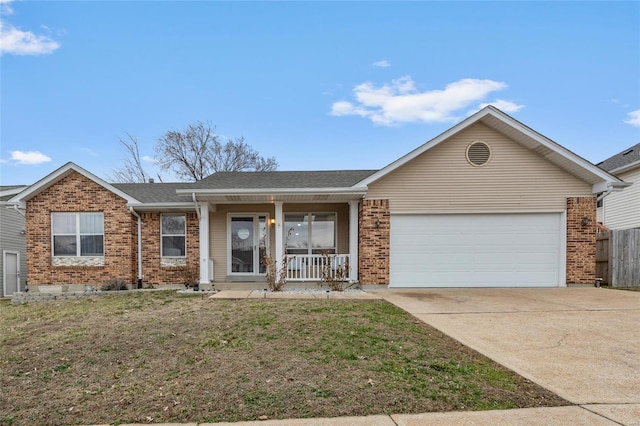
316,267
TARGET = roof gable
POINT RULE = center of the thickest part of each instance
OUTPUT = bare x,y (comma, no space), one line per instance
64,171
508,126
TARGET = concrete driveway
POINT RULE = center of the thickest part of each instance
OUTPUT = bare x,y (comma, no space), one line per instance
581,343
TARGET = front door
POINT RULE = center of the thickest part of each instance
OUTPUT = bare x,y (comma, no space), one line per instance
248,237
11,279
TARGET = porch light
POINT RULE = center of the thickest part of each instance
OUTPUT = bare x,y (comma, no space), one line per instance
273,221
585,222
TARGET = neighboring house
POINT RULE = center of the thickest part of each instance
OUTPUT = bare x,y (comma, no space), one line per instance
13,251
488,203
621,210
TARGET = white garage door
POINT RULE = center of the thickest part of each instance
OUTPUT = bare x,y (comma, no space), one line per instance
476,250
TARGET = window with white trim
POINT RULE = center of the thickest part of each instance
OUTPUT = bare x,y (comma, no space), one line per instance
173,235
77,234
310,233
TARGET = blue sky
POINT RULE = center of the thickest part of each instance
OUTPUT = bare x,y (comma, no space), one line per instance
318,85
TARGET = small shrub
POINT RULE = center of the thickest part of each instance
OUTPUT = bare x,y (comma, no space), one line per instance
334,275
114,284
275,281
190,276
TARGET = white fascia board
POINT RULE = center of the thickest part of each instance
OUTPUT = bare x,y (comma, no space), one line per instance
12,191
156,207
280,191
63,171
605,186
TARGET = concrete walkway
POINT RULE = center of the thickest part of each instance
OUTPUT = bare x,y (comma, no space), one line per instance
582,344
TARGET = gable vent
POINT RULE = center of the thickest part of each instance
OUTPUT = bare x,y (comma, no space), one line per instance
478,153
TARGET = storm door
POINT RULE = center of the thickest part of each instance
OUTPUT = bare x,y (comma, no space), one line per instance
248,242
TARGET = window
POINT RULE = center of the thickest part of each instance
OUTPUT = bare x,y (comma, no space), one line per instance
310,233
78,234
173,234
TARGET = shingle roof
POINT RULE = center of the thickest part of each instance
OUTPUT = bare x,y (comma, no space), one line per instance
621,159
154,192
284,179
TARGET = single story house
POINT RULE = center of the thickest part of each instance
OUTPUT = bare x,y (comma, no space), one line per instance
488,203
621,210
13,244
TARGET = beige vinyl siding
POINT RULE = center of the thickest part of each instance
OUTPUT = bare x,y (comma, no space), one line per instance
441,180
621,210
218,228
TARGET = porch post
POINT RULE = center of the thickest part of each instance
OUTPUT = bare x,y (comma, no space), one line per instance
204,243
353,240
279,236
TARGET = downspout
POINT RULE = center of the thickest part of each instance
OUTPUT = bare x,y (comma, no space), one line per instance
19,210
601,197
195,202
133,212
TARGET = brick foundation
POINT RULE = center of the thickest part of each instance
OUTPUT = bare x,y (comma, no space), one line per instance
581,240
373,242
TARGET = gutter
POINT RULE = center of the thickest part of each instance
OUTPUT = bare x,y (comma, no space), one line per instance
140,275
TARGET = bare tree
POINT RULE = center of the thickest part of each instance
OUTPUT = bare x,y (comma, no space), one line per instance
132,169
198,151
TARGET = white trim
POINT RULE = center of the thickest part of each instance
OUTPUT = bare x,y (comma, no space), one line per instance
78,234
12,191
279,236
4,270
162,256
352,190
562,270
203,226
62,172
353,240
478,116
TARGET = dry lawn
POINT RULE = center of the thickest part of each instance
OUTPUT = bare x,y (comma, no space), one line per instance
161,357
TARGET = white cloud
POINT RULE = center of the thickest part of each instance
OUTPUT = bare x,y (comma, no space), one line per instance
149,159
18,42
5,7
30,157
501,104
382,64
401,102
634,118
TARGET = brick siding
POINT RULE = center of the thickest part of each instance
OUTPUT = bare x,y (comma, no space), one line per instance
581,240
152,269
373,242
76,193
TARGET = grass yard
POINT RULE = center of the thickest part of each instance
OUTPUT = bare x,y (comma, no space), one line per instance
162,357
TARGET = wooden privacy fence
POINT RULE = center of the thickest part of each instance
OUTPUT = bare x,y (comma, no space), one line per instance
618,257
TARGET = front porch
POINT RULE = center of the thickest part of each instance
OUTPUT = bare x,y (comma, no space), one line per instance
308,242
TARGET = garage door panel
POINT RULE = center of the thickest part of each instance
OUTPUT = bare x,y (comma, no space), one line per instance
475,250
